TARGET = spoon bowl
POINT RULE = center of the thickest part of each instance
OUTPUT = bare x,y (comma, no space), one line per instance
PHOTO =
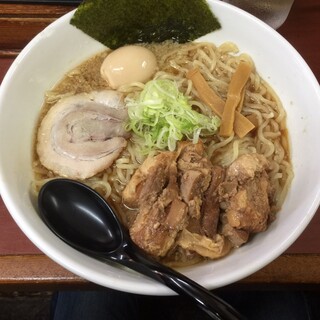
80,217
84,220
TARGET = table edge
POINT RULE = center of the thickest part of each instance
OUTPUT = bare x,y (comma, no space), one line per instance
38,272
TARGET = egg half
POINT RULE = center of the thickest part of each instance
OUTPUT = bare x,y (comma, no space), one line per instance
128,64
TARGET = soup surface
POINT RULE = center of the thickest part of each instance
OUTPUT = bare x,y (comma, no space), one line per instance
196,198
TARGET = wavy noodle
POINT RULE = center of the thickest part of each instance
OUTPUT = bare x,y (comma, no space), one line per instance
217,65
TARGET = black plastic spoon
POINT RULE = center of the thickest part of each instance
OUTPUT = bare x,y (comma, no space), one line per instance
84,220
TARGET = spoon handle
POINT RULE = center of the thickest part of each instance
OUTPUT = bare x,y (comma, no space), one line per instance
215,307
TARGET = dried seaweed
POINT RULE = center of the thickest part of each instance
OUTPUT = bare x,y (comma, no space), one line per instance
119,22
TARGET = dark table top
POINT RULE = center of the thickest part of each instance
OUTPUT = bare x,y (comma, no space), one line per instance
22,265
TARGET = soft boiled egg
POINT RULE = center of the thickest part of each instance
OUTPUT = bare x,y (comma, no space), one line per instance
128,64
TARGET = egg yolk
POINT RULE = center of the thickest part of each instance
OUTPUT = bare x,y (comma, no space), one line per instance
128,64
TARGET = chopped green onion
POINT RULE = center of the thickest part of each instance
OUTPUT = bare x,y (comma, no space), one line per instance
162,115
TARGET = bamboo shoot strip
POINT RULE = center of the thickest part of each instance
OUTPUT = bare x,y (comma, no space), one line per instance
242,126
237,84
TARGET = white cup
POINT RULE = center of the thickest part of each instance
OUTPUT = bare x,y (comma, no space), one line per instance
273,12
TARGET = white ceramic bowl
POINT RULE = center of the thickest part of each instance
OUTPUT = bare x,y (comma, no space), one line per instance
60,47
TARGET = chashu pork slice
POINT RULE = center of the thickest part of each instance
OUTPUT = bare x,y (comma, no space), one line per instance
82,135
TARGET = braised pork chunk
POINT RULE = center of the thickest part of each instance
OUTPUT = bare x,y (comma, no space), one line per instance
186,203
245,195
161,212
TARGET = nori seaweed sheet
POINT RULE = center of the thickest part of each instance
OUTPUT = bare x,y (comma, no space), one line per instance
119,22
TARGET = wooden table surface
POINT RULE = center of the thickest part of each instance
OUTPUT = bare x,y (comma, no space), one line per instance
24,267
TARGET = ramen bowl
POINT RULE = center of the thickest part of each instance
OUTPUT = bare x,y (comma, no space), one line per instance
60,47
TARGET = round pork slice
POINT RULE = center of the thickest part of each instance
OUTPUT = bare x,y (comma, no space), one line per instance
84,134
